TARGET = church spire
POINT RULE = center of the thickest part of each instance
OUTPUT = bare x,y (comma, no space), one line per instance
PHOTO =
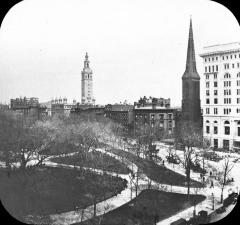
191,70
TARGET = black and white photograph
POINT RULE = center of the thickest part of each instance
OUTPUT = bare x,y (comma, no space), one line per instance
119,112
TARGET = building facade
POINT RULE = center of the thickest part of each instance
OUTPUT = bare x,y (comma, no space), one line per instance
120,113
221,106
89,111
191,109
28,107
87,83
61,106
154,113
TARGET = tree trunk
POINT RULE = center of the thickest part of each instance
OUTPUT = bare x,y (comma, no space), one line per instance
94,208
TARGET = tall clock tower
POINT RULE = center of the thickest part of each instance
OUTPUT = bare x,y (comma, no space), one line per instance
87,83
191,110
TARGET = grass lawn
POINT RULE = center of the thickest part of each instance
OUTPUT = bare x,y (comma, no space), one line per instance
60,148
149,207
156,172
97,160
47,191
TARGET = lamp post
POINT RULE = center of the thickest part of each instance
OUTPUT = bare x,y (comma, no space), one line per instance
212,201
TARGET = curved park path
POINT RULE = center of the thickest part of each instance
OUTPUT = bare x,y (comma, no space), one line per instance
105,206
114,202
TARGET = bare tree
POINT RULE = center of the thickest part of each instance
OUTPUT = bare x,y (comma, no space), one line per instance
22,140
224,173
190,136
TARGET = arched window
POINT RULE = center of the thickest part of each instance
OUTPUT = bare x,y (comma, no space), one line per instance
227,75
226,128
215,127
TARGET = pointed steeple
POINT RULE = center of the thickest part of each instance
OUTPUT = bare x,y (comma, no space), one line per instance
191,70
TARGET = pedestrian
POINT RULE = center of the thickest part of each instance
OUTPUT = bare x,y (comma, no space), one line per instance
212,186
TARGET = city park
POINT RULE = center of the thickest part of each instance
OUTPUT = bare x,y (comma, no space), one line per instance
89,170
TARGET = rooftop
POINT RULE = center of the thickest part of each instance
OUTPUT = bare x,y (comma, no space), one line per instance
220,48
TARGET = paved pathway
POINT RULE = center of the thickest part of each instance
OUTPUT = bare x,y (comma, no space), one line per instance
79,215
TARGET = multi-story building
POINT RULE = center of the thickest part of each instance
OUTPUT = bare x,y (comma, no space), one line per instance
4,106
191,109
89,111
61,106
221,105
28,107
120,113
87,83
154,113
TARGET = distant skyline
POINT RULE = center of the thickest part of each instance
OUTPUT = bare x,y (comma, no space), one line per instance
135,47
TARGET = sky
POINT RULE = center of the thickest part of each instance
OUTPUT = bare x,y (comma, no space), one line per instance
136,48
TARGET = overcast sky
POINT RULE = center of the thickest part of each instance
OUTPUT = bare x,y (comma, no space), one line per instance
135,47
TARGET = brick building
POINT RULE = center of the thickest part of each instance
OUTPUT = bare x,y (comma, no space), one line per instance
154,113
29,107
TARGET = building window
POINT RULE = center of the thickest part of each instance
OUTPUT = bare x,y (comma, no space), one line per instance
238,124
215,130
238,82
227,75
207,84
161,116
226,128
205,69
207,77
238,100
207,92
207,129
207,111
215,143
217,68
215,92
213,68
215,76
226,111
207,101
215,111
226,144
215,84
233,65
238,74
215,101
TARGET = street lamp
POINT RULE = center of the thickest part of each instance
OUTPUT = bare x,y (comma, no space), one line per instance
212,201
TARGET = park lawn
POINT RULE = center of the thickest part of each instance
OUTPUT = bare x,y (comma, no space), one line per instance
60,148
156,172
45,191
148,207
96,160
